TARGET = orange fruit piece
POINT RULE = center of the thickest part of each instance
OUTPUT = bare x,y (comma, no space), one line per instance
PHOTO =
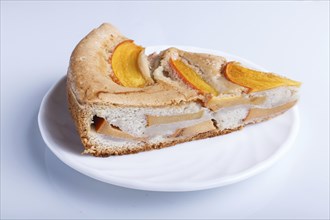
255,80
125,66
189,76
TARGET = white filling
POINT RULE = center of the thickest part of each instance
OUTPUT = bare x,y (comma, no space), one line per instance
278,96
132,120
232,117
168,129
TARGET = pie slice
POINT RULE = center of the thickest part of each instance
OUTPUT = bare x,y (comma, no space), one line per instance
123,101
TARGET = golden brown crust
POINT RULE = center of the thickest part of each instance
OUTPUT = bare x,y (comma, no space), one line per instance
89,76
79,115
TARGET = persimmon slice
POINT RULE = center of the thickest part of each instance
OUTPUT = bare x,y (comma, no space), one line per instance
216,103
193,130
255,113
189,76
103,127
255,80
124,62
156,120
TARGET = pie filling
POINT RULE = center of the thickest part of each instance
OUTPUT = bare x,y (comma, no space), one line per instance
190,124
263,95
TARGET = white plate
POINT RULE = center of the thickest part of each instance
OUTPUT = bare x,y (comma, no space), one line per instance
196,165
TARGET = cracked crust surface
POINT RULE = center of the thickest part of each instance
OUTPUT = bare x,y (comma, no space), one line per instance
90,70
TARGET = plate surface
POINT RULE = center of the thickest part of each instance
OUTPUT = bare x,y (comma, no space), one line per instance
196,165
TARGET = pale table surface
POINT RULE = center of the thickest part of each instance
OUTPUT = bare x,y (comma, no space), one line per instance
37,38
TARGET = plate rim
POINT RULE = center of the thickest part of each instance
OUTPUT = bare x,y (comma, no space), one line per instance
140,185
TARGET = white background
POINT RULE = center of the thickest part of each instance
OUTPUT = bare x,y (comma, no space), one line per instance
290,38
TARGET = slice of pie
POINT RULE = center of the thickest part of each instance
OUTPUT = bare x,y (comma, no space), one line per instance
123,101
